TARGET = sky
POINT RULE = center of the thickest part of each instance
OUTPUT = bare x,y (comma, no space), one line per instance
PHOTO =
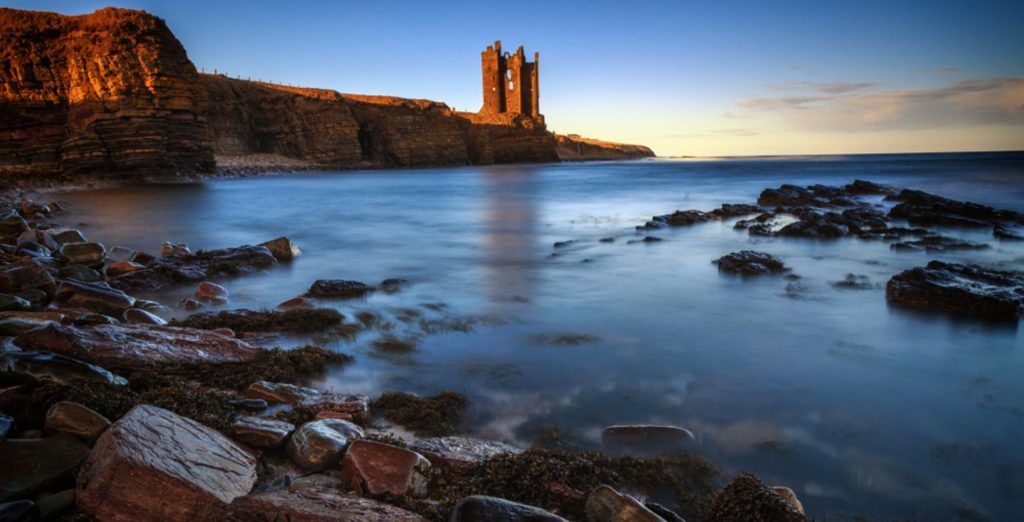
686,78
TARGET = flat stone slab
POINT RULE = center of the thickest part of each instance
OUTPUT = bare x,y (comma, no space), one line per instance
155,465
376,468
137,344
960,289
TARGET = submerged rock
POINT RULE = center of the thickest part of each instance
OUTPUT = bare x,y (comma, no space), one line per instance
854,282
337,289
136,344
937,244
749,262
319,444
648,437
963,289
481,508
34,465
375,468
315,504
151,456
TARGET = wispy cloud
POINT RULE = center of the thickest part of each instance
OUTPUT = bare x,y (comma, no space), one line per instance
962,103
738,132
823,87
939,70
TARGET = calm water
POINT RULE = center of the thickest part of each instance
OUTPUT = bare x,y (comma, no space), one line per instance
860,407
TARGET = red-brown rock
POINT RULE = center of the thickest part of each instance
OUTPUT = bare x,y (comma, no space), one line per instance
155,465
136,344
122,267
316,504
355,405
208,291
375,468
279,392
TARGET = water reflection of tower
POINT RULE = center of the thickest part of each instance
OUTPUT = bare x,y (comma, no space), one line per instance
509,232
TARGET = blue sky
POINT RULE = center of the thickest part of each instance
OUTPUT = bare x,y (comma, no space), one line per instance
687,78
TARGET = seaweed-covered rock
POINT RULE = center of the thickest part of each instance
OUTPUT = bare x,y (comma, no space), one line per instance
71,418
151,450
482,508
181,268
604,504
315,504
747,498
337,289
376,468
319,444
963,289
437,415
244,320
750,263
34,465
134,344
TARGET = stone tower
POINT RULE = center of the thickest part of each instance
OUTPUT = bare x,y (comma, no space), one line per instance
510,82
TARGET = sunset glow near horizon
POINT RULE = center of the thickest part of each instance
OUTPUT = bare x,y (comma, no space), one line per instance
684,78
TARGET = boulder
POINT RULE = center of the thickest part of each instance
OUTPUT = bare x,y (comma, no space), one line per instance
604,504
96,297
319,445
375,468
337,289
80,273
63,236
750,263
279,392
88,254
259,432
18,277
481,508
155,465
282,248
34,465
315,504
37,366
71,418
204,265
140,316
137,344
208,291
961,289
355,405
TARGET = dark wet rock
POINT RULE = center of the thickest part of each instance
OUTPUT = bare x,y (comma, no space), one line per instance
280,393
207,291
80,273
747,498
142,258
120,253
282,248
375,468
563,244
763,223
731,210
6,423
19,277
297,303
96,297
64,236
140,316
152,450
18,325
315,504
134,344
88,254
604,504
337,289
249,404
118,268
261,433
86,320
193,268
10,303
34,465
70,418
861,187
963,289
190,304
356,406
170,248
437,415
393,284
37,298
854,282
32,249
667,514
481,508
924,209
646,239
937,244
816,226
36,366
1007,233
57,504
679,218
607,240
319,444
11,224
650,437
244,320
19,511
864,220
789,196
749,262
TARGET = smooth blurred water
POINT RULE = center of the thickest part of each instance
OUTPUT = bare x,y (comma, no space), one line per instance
860,407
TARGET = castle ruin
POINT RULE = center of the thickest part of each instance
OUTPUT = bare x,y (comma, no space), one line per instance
510,82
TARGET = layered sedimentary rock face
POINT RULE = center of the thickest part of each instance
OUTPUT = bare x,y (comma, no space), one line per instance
110,93
578,148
